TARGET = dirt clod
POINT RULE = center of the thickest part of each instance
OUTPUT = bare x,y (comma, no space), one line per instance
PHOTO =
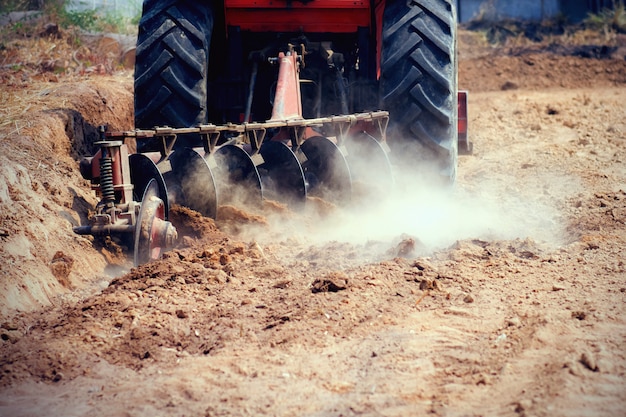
326,285
589,361
61,266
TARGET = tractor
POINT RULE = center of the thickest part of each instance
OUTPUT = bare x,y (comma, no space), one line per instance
237,101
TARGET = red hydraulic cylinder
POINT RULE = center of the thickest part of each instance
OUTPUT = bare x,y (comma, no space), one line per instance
287,101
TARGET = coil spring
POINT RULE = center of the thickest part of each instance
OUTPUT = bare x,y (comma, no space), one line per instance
106,180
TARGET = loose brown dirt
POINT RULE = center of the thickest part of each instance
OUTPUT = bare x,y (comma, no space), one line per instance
504,296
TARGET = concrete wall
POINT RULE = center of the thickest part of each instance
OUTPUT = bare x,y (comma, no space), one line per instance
500,9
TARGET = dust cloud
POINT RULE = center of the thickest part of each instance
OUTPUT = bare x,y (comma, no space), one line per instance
435,216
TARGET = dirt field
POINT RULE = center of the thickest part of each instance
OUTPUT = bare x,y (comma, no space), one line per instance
504,296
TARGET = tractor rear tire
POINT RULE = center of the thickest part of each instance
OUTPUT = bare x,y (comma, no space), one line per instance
171,64
419,83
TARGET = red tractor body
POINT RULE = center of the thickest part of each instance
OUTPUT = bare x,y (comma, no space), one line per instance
319,16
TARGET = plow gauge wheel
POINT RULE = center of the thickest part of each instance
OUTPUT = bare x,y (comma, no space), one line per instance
148,229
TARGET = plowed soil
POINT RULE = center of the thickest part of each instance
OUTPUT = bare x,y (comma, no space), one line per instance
503,296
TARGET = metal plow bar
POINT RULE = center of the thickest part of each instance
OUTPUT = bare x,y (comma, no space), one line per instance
238,163
255,132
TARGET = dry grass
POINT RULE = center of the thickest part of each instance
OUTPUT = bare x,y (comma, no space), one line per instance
605,28
34,66
18,104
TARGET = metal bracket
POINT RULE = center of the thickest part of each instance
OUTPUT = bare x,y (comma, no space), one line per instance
255,134
210,135
342,127
382,127
298,137
168,137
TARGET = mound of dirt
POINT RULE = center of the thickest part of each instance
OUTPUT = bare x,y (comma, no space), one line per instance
42,192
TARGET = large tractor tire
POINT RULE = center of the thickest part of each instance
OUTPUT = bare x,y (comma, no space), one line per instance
419,83
171,64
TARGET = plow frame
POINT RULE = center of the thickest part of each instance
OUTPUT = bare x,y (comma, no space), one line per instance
253,134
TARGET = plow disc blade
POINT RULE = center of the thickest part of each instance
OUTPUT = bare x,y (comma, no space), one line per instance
142,171
238,179
281,174
326,170
369,164
148,246
191,181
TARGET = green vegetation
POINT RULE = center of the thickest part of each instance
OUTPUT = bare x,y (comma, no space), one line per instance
609,19
7,6
89,20
92,20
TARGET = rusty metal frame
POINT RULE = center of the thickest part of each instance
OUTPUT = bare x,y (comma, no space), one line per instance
254,133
